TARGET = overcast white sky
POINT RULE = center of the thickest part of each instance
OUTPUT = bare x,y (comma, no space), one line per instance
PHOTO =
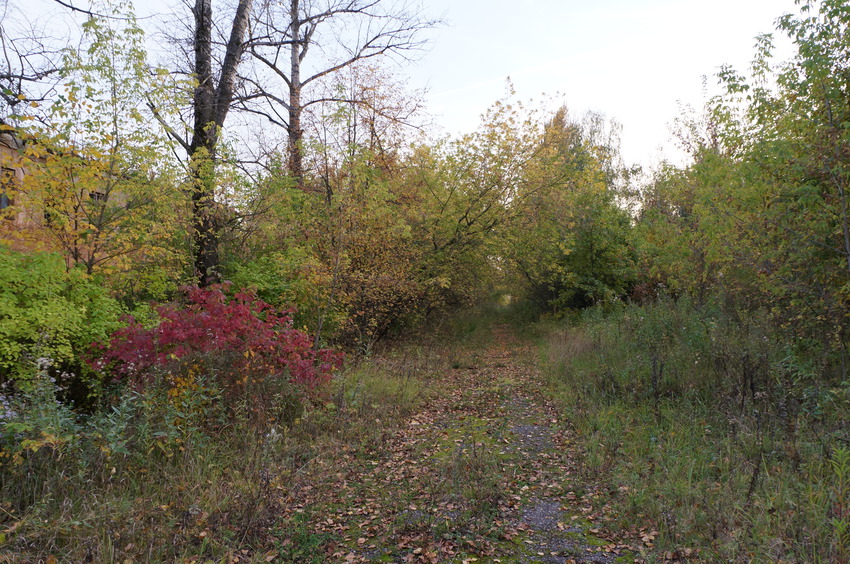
632,60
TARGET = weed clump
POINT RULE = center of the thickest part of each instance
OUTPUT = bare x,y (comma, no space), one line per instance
714,426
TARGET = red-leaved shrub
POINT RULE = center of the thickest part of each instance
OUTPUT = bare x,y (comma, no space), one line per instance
244,330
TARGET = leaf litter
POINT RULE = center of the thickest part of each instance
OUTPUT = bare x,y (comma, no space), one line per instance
484,471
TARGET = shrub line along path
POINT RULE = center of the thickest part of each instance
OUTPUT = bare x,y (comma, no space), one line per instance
483,471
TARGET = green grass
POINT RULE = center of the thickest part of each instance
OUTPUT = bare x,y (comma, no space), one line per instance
709,429
165,477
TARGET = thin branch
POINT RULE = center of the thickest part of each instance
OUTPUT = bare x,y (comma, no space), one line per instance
168,129
92,14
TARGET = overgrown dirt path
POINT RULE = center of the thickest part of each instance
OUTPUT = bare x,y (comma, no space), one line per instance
484,471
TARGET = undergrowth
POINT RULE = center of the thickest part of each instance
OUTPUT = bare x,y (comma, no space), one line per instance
726,436
173,473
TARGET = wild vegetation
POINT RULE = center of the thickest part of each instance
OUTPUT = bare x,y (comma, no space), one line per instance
222,347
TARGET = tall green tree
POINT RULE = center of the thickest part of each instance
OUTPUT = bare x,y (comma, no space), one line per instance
763,212
465,188
99,185
568,240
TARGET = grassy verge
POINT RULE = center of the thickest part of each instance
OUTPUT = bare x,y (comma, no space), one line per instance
171,475
730,441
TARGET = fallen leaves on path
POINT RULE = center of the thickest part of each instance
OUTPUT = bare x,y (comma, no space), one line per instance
484,469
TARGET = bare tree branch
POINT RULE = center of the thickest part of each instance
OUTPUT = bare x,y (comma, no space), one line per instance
92,14
26,64
167,127
362,30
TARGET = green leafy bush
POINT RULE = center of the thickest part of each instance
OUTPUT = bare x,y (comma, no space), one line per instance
50,312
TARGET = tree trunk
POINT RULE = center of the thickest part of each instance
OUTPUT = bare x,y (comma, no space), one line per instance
211,103
295,134
202,152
